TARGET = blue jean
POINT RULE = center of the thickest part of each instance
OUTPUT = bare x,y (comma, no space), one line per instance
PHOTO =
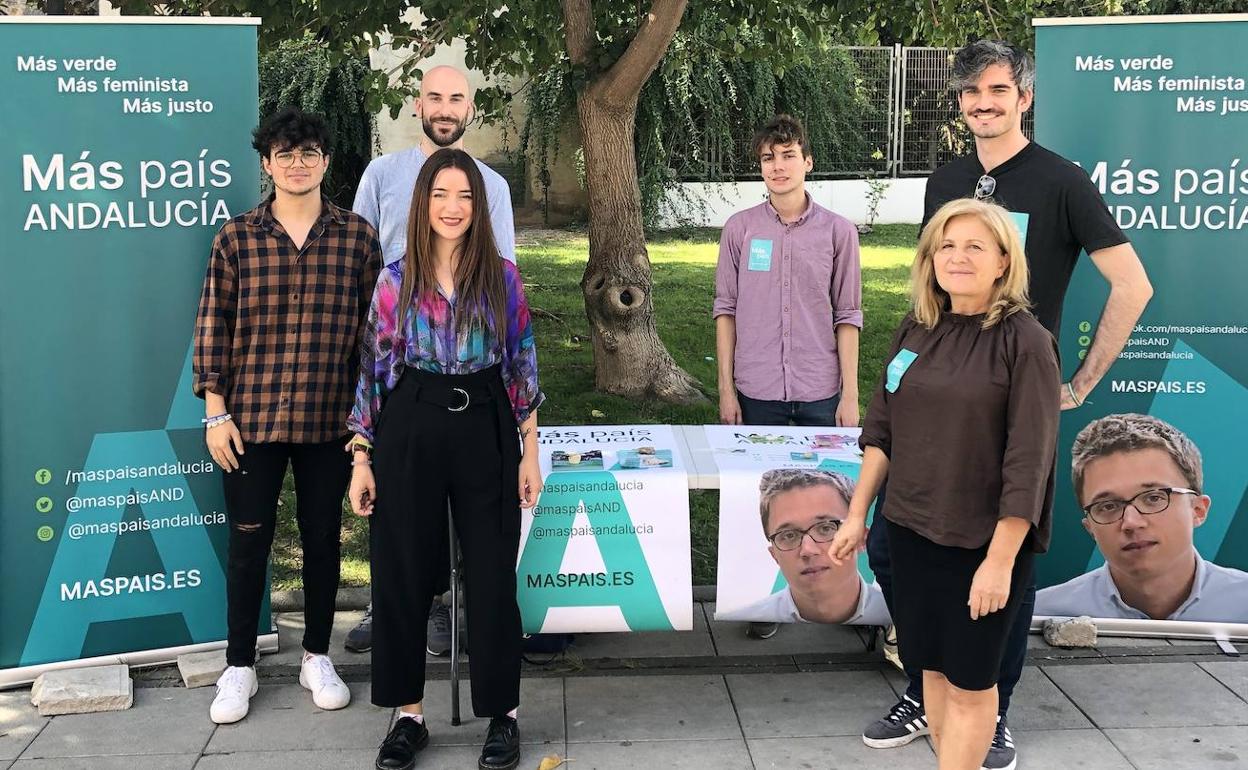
1015,647
803,413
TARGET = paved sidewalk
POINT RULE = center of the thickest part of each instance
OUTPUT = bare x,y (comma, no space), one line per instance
702,700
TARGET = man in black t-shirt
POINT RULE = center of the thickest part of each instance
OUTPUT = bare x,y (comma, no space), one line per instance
1060,214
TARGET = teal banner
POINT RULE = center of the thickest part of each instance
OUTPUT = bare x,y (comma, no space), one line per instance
1156,112
126,145
606,548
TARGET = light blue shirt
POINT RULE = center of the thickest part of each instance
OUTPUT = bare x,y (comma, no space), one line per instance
1219,595
384,198
780,608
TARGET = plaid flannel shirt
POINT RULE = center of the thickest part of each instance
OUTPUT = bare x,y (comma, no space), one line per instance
279,327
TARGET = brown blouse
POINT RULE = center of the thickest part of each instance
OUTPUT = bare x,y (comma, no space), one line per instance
969,427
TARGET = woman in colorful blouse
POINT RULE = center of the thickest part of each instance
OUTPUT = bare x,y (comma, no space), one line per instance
447,395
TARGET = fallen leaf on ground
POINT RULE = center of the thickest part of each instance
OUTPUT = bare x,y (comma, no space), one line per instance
551,761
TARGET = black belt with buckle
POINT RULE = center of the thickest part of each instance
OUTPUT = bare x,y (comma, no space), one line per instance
454,392
453,398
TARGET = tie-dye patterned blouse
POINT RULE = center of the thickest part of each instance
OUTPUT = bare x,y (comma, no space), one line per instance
432,343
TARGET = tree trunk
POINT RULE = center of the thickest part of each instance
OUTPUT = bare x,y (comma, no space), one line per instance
629,357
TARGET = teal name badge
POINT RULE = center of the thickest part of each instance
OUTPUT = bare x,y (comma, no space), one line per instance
1020,221
760,254
897,368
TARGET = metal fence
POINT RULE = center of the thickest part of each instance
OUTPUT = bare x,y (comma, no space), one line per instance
929,130
902,121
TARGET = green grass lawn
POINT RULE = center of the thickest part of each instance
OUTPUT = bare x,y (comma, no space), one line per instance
684,276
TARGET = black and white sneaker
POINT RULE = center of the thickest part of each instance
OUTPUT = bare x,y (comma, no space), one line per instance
1001,754
904,722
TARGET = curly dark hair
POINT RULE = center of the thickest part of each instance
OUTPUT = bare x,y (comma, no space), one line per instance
782,129
288,128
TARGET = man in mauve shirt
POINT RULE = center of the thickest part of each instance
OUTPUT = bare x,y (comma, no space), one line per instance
788,301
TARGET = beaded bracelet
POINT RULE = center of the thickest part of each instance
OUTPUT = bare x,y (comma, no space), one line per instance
361,462
221,419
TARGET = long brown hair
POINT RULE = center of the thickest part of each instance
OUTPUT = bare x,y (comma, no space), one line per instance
479,270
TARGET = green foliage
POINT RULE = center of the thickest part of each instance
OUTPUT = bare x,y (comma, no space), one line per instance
696,114
876,189
304,73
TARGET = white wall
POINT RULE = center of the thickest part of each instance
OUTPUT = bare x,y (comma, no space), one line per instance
902,203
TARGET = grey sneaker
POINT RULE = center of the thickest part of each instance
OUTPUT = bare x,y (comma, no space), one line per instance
1001,754
360,638
904,722
438,640
762,630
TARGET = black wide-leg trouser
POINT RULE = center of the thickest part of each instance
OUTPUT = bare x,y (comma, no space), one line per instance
438,438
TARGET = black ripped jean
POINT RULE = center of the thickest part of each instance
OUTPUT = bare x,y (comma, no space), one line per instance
322,472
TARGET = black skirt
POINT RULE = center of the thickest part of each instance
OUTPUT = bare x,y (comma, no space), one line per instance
931,587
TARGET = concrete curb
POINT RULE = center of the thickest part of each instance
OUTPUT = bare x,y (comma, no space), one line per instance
358,597
349,598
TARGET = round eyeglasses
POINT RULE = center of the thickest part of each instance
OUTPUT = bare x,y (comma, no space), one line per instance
1147,502
791,539
307,158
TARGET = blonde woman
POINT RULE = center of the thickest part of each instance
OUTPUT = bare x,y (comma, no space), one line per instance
964,429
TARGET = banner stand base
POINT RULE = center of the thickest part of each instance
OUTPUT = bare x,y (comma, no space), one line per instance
1221,633
18,677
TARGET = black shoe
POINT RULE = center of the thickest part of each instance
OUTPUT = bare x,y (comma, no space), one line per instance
438,639
502,745
398,750
360,638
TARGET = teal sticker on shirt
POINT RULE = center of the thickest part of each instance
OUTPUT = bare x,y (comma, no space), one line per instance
760,254
897,368
1020,221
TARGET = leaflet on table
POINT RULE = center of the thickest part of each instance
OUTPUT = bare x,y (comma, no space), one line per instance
786,478
606,548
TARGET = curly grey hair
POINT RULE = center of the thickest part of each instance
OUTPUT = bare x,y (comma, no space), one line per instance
971,61
774,482
1130,433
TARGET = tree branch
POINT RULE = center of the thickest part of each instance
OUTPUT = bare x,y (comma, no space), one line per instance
624,80
578,25
992,19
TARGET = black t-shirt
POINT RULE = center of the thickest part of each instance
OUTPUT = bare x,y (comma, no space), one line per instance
1058,209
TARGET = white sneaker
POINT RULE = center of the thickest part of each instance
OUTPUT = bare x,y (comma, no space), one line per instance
234,690
317,674
891,653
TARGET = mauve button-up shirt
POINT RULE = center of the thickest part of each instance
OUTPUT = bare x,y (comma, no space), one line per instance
788,285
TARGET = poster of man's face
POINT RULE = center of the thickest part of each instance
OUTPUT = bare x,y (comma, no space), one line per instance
799,512
800,524
1140,486
1154,536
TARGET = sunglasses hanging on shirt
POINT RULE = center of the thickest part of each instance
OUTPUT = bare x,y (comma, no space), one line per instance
985,187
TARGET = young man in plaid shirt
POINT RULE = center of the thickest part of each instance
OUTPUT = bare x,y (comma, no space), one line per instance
276,343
